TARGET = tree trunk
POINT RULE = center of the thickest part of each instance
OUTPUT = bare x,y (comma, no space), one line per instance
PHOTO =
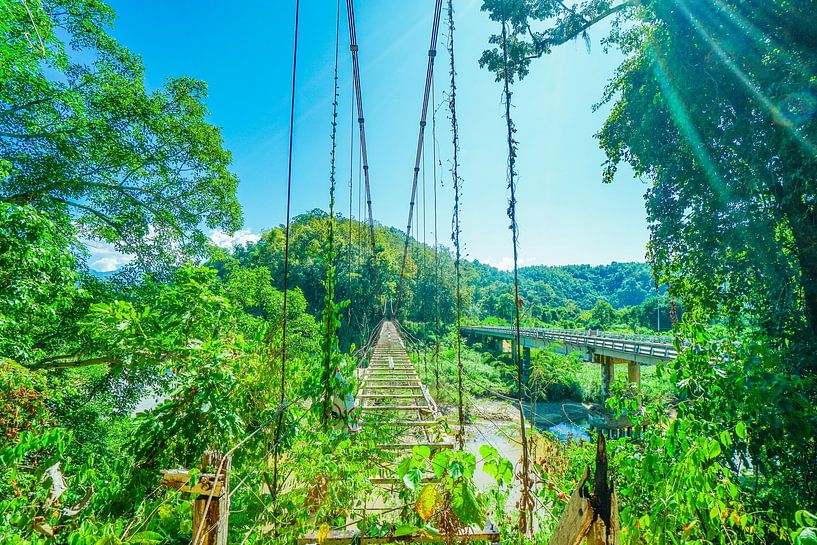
804,230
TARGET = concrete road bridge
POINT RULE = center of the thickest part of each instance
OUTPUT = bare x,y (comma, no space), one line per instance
601,347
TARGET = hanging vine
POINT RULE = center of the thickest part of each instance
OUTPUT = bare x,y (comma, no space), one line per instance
526,501
455,222
331,311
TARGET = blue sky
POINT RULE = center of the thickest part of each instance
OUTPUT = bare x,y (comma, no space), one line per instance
243,50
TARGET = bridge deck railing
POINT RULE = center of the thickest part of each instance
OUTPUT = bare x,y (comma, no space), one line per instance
639,345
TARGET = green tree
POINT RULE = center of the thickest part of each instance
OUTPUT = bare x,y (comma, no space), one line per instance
602,316
82,138
715,104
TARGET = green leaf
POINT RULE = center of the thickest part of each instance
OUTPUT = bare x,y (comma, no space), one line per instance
805,519
465,506
405,530
413,478
807,537
422,451
488,452
740,430
440,462
713,449
146,538
456,469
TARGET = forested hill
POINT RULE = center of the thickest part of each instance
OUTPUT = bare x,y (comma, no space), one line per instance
620,284
606,296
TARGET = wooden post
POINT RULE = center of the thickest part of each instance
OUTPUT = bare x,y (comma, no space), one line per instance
211,511
591,516
211,505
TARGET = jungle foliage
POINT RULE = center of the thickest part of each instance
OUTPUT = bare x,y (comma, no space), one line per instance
714,105
106,381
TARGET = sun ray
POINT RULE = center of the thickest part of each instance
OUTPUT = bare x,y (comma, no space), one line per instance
779,115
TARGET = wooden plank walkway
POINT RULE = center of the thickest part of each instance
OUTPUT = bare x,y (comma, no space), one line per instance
391,392
391,386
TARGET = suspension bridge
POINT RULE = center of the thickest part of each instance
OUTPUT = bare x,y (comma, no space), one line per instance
390,390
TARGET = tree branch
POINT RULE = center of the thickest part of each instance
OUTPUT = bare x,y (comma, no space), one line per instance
23,106
111,223
70,362
35,135
540,45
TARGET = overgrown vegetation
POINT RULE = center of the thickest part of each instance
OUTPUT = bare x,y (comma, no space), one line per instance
104,382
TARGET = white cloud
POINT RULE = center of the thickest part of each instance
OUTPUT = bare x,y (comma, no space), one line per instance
506,263
104,257
240,238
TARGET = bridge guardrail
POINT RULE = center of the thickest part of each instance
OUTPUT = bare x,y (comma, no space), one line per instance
645,346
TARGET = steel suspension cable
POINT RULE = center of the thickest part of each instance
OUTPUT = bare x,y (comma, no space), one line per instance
432,54
526,501
353,47
455,221
274,491
436,241
351,200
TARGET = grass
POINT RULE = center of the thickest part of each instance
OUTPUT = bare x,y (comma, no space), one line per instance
488,375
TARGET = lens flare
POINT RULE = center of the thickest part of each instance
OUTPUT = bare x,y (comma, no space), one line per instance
796,108
777,113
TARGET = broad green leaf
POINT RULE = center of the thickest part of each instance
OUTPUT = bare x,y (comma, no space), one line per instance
413,478
807,537
488,452
405,530
713,449
422,451
465,506
146,538
440,462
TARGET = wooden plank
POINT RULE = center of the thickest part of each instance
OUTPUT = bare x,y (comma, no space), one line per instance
349,537
599,533
592,516
412,445
379,380
392,396
396,408
416,386
395,480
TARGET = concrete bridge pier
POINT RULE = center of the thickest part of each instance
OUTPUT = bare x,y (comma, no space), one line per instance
608,366
493,344
607,375
634,372
526,359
